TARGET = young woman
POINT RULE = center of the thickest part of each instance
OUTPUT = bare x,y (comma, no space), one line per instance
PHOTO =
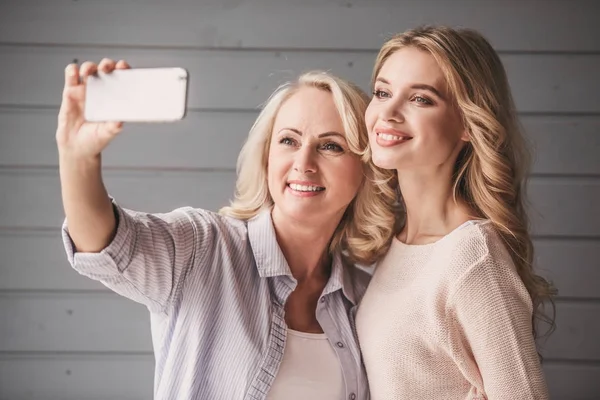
255,302
449,312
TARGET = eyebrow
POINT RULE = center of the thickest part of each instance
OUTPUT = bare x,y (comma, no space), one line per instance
422,86
322,135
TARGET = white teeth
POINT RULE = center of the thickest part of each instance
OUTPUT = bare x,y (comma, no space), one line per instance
304,188
386,136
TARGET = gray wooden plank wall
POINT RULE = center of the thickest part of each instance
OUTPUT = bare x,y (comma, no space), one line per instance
63,336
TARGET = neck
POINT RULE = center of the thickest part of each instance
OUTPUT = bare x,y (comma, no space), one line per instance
431,210
305,245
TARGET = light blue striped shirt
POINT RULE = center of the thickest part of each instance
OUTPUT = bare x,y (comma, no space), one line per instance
216,288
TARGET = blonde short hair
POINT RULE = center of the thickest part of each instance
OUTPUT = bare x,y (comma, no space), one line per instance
366,230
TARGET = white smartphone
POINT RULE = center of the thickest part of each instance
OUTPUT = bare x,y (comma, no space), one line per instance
137,95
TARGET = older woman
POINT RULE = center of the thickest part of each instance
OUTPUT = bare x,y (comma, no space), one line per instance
257,301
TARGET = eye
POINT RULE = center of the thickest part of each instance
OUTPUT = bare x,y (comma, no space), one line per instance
422,100
287,141
380,94
332,146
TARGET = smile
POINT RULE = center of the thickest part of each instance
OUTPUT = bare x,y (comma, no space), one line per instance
388,139
387,136
305,188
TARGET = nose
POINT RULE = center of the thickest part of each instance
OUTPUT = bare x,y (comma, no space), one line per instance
305,159
391,111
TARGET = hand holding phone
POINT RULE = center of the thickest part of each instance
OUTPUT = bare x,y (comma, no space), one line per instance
78,139
98,98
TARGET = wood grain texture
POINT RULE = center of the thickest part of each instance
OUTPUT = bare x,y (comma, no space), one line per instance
233,80
340,24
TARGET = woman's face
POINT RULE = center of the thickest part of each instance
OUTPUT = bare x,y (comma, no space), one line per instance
312,174
412,122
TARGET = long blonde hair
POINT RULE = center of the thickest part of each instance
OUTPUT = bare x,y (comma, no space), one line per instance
491,170
367,227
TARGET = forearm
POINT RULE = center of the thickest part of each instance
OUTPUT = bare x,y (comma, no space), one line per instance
88,209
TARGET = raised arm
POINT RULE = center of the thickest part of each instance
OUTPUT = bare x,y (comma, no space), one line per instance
87,207
142,256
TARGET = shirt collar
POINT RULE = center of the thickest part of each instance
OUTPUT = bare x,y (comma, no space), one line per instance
341,278
271,262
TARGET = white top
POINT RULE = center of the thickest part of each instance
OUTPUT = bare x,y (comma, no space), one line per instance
310,369
450,320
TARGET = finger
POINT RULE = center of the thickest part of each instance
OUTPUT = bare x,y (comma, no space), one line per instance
122,64
71,75
106,65
88,68
69,107
111,130
114,127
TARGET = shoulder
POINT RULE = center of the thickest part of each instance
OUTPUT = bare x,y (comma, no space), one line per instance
482,265
473,244
359,277
474,253
206,220
184,222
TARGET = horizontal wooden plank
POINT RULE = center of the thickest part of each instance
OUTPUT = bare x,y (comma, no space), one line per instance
67,377
35,194
577,332
357,24
46,268
562,144
92,322
560,79
98,377
107,322
572,381
201,140
565,207
571,265
31,198
220,79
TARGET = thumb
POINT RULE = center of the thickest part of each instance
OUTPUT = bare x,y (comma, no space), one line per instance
107,131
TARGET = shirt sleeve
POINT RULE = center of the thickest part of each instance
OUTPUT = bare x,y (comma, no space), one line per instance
150,255
491,313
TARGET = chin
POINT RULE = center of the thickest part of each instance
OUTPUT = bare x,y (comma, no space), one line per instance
381,161
302,214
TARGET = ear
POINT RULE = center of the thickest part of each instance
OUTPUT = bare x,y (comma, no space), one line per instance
465,137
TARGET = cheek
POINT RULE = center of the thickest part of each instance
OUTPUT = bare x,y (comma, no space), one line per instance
349,176
442,126
370,116
434,128
275,167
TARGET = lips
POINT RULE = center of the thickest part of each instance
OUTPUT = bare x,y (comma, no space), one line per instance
305,187
387,137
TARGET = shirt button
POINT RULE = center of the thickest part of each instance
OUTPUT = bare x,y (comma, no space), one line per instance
352,396
340,344
323,299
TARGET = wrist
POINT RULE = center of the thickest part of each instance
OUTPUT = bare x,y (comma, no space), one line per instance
77,162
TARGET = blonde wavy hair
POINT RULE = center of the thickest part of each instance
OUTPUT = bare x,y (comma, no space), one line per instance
367,227
491,171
